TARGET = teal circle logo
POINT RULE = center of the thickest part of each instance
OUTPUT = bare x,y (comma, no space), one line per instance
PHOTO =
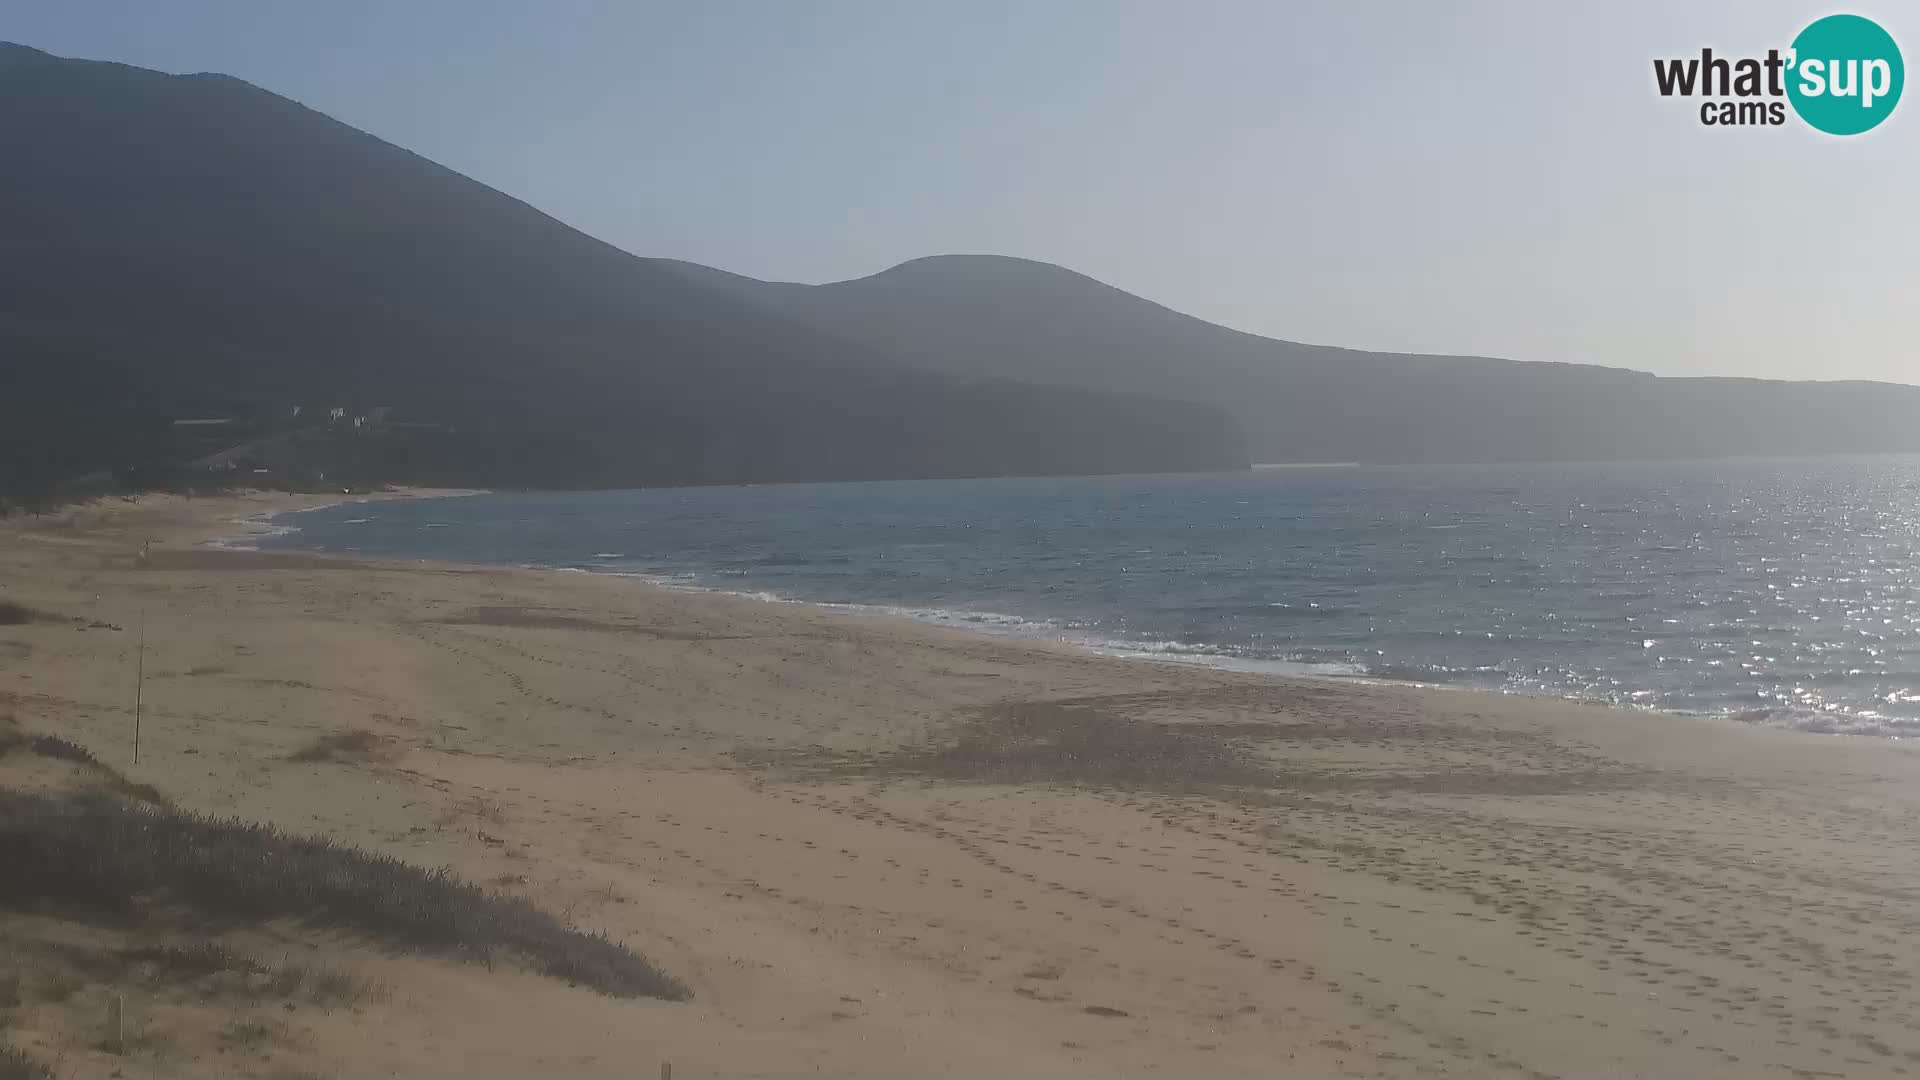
1845,75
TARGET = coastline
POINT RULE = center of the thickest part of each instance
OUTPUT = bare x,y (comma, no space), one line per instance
1017,628
875,846
247,531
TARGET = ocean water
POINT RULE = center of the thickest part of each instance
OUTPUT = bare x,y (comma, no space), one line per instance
1777,592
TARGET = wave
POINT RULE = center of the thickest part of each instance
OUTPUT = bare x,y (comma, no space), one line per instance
1303,663
1224,658
1822,722
1302,585
1003,624
256,528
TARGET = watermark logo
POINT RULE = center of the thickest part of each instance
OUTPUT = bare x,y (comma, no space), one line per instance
1842,75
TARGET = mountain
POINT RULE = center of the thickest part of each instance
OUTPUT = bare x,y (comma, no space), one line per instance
995,316
192,246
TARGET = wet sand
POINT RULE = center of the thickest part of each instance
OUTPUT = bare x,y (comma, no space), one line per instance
879,848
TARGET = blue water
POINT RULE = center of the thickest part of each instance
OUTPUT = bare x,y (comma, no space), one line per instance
1783,592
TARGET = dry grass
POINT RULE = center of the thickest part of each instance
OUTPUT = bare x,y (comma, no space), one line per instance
351,745
205,971
1071,743
112,860
188,961
248,1033
1102,743
15,1064
55,748
17,614
219,971
491,811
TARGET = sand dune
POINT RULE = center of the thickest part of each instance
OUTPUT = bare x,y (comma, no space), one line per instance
878,848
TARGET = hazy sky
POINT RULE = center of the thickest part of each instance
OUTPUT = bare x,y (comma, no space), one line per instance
1495,178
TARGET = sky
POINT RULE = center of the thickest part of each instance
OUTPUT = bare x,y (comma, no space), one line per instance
1497,179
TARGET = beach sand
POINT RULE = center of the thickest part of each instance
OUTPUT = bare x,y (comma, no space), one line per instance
877,848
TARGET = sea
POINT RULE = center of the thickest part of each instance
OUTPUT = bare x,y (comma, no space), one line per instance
1770,592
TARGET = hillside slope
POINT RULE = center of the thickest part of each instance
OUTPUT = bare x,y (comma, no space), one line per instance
989,315
180,244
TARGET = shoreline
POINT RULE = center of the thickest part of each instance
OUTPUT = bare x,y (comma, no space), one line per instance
1047,631
875,847
257,526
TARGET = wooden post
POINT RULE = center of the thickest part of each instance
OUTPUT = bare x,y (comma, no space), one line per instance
139,683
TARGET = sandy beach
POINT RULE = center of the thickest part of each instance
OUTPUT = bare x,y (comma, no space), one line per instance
877,848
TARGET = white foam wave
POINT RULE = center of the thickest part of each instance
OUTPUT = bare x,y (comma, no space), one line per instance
1002,624
1226,658
257,527
1830,722
252,530
1222,659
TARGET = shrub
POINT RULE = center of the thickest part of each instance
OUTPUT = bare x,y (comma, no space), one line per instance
103,856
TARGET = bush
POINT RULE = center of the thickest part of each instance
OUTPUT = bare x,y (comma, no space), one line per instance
354,743
50,746
16,1065
13,614
102,856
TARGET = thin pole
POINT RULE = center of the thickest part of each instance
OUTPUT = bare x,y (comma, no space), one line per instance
139,682
116,1025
